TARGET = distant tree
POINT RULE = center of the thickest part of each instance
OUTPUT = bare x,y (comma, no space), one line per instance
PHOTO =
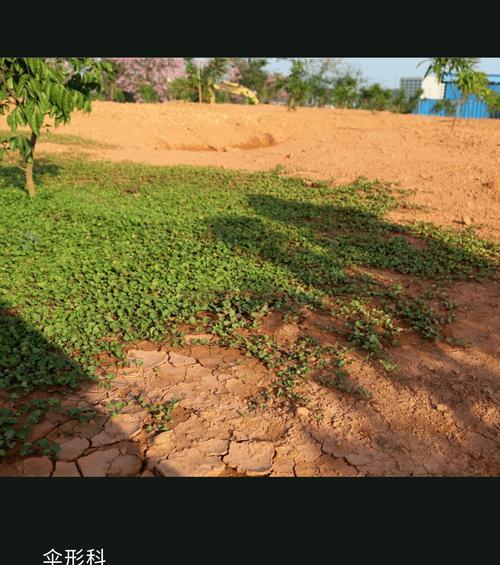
273,90
201,75
345,90
320,77
375,97
147,79
467,78
33,89
402,103
110,90
448,107
296,85
250,72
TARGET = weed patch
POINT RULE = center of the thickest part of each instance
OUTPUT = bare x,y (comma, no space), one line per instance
87,260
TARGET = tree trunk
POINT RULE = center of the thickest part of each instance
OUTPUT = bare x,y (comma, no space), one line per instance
199,86
30,184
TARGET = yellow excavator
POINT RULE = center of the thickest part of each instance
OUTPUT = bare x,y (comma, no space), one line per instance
232,88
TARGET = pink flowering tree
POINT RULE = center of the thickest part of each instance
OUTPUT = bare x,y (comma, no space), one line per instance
148,79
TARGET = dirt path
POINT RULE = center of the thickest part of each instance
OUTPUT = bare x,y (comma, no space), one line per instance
455,172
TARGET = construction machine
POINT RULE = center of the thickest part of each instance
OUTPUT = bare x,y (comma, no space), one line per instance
232,88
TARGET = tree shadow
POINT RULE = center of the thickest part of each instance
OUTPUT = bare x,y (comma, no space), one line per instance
332,248
331,244
48,399
14,177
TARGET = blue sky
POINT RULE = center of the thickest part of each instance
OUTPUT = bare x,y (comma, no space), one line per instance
388,71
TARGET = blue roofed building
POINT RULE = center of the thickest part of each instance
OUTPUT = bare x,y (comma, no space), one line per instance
471,108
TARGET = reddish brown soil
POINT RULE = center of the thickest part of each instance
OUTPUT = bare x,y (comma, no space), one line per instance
436,415
455,172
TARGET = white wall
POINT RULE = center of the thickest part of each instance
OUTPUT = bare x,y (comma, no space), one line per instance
432,88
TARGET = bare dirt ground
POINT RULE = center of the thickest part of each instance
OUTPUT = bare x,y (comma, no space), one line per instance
437,414
454,171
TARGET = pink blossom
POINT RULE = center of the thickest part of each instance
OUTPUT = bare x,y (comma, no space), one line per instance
156,72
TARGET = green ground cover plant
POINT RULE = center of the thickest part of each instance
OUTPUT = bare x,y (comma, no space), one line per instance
130,251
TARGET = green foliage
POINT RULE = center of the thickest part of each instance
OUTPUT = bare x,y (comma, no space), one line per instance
90,259
160,413
116,407
440,66
109,89
200,79
9,436
148,93
296,85
368,327
252,74
185,89
345,90
468,79
320,76
447,106
32,89
403,104
374,97
348,92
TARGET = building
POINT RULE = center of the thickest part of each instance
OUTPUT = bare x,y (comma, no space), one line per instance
471,108
410,85
432,88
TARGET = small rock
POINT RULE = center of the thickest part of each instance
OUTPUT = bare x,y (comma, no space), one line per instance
178,360
287,334
364,457
195,372
441,407
40,430
307,451
73,448
65,469
149,358
302,412
214,447
251,457
198,337
37,467
211,362
236,386
190,463
283,462
125,465
162,445
249,375
171,373
210,381
466,220
118,428
97,464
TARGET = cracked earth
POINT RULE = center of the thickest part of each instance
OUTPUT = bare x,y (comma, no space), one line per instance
437,415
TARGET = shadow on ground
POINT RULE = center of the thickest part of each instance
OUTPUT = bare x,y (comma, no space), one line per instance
13,175
50,409
436,415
